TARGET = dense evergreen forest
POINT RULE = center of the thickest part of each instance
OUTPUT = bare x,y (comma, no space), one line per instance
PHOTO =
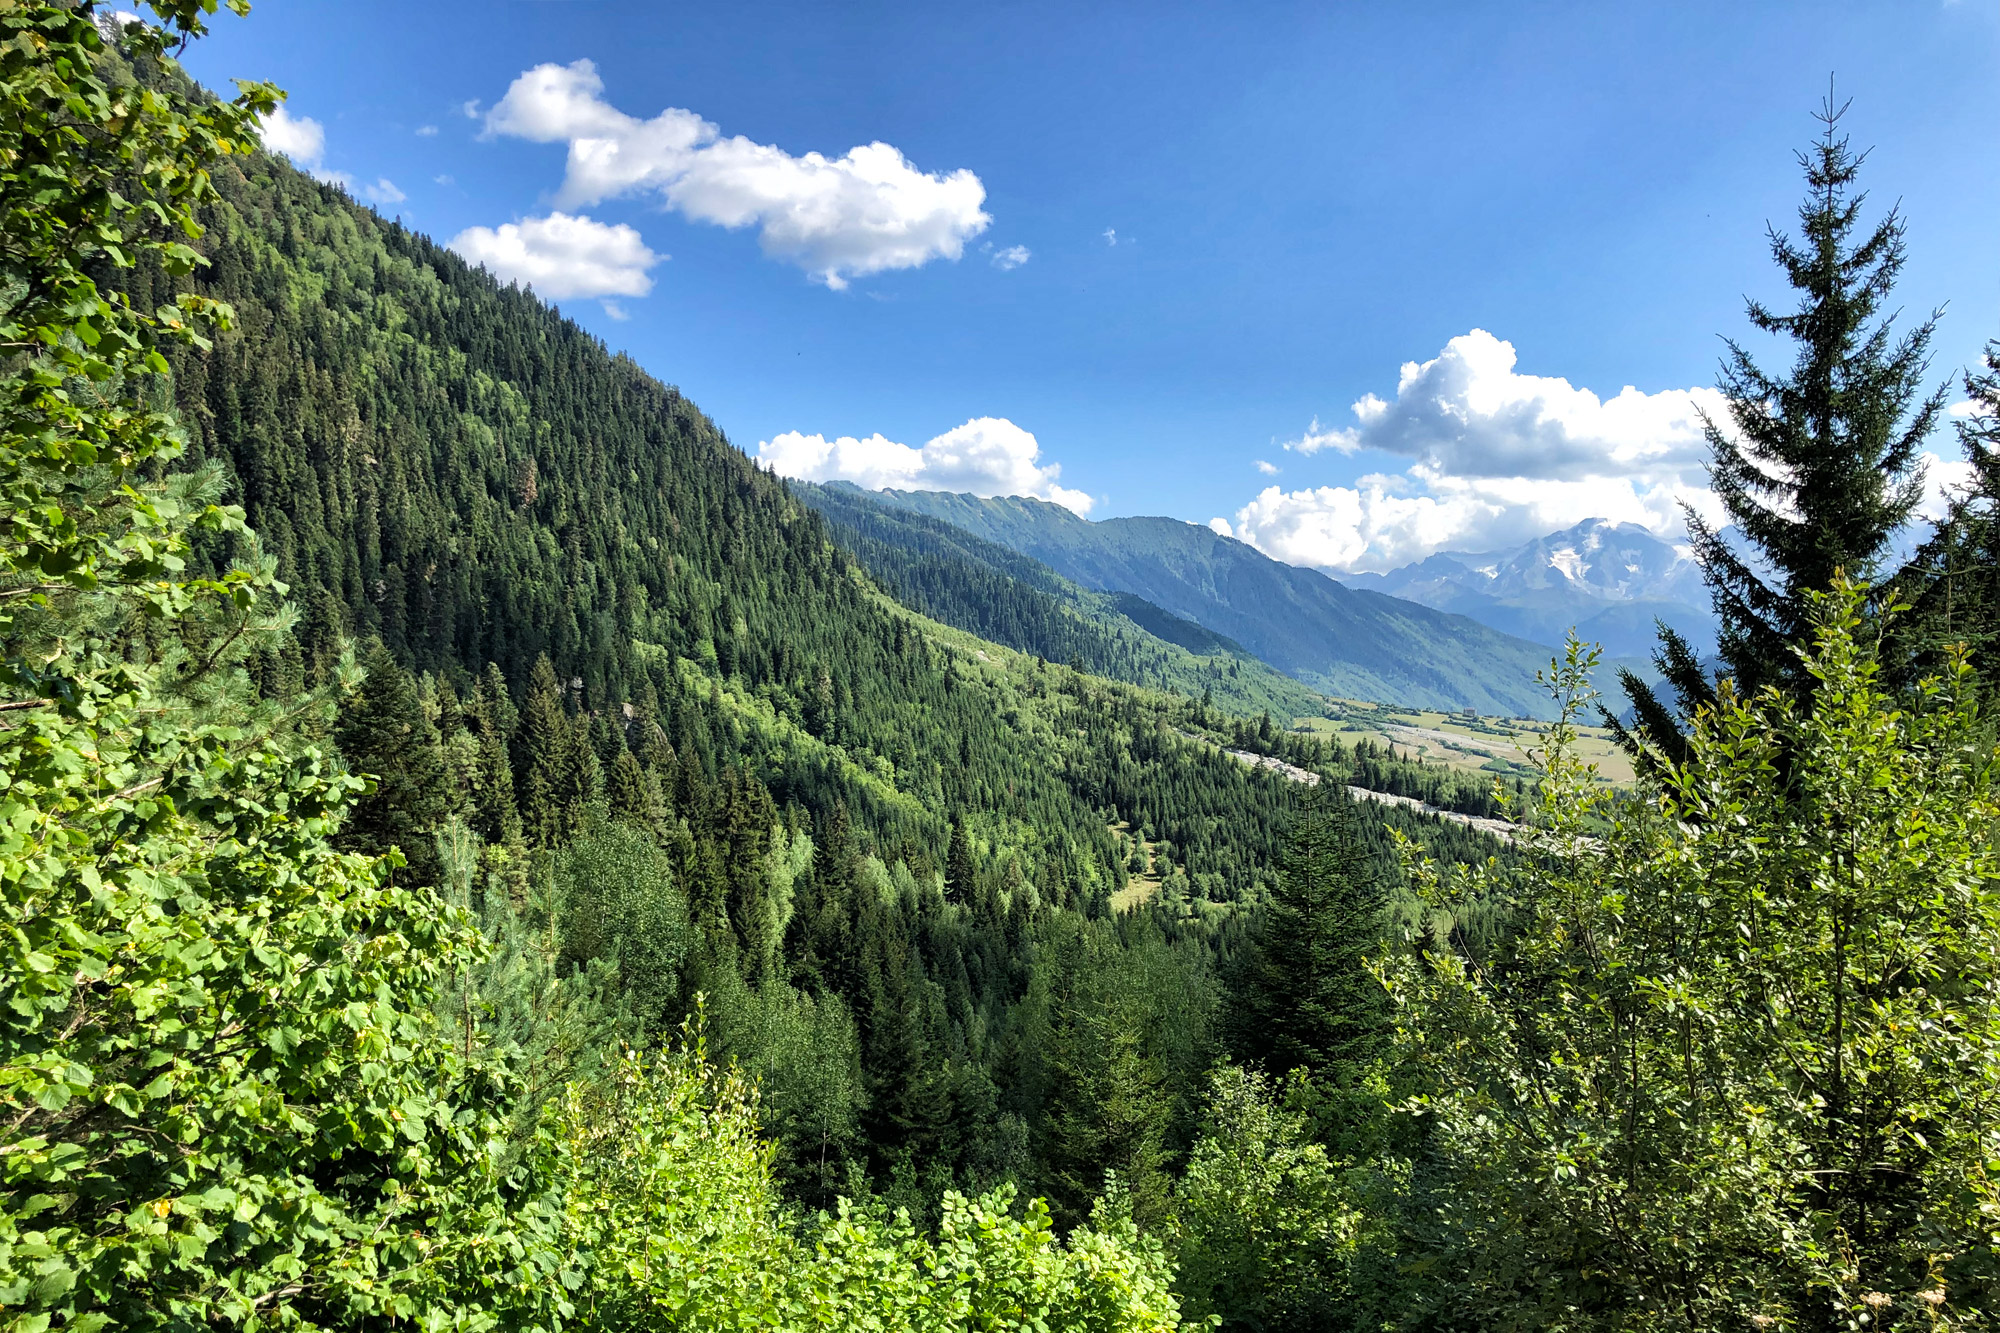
477,852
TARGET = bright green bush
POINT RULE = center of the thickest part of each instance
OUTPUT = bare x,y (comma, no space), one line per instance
1732,1063
1268,1223
671,1206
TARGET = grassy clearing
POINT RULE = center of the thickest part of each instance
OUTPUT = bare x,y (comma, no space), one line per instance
1462,740
1142,887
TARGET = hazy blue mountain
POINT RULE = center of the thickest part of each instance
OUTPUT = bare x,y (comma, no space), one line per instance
1344,641
1608,581
997,593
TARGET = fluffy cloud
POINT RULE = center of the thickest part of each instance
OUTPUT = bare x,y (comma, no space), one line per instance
1317,437
561,256
866,212
1945,479
1467,412
1011,258
1495,457
301,138
986,456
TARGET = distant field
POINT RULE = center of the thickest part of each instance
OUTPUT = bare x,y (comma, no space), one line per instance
1471,744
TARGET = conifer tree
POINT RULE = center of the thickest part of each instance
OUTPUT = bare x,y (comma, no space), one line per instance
821,928
384,733
1954,581
650,745
1107,1103
959,879
583,774
1816,467
547,761
1307,998
493,717
629,792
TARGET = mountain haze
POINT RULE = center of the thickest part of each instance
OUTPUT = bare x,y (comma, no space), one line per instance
1344,641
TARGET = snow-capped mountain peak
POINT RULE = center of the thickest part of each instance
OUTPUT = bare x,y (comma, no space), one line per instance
1608,580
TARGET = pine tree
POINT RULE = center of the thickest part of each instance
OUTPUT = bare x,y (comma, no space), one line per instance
959,880
1817,468
560,775
821,932
493,717
543,745
583,775
383,732
650,746
1107,1107
626,790
1307,998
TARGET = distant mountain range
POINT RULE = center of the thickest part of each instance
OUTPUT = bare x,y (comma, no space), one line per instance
997,593
1609,581
1357,643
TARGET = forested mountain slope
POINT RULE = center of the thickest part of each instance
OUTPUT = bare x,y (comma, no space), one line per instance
890,847
1000,594
1339,640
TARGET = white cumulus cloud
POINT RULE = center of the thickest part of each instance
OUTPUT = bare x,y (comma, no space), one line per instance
1494,457
1945,479
1011,258
986,456
301,138
563,256
867,211
1317,437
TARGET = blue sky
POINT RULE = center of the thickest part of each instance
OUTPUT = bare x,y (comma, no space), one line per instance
1303,198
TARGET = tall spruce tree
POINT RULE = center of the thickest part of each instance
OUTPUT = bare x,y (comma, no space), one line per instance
384,733
548,756
1816,468
1306,998
960,884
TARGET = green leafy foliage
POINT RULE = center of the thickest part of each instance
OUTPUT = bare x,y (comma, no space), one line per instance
1268,1223
1734,1058
224,1099
284,1045
679,1224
